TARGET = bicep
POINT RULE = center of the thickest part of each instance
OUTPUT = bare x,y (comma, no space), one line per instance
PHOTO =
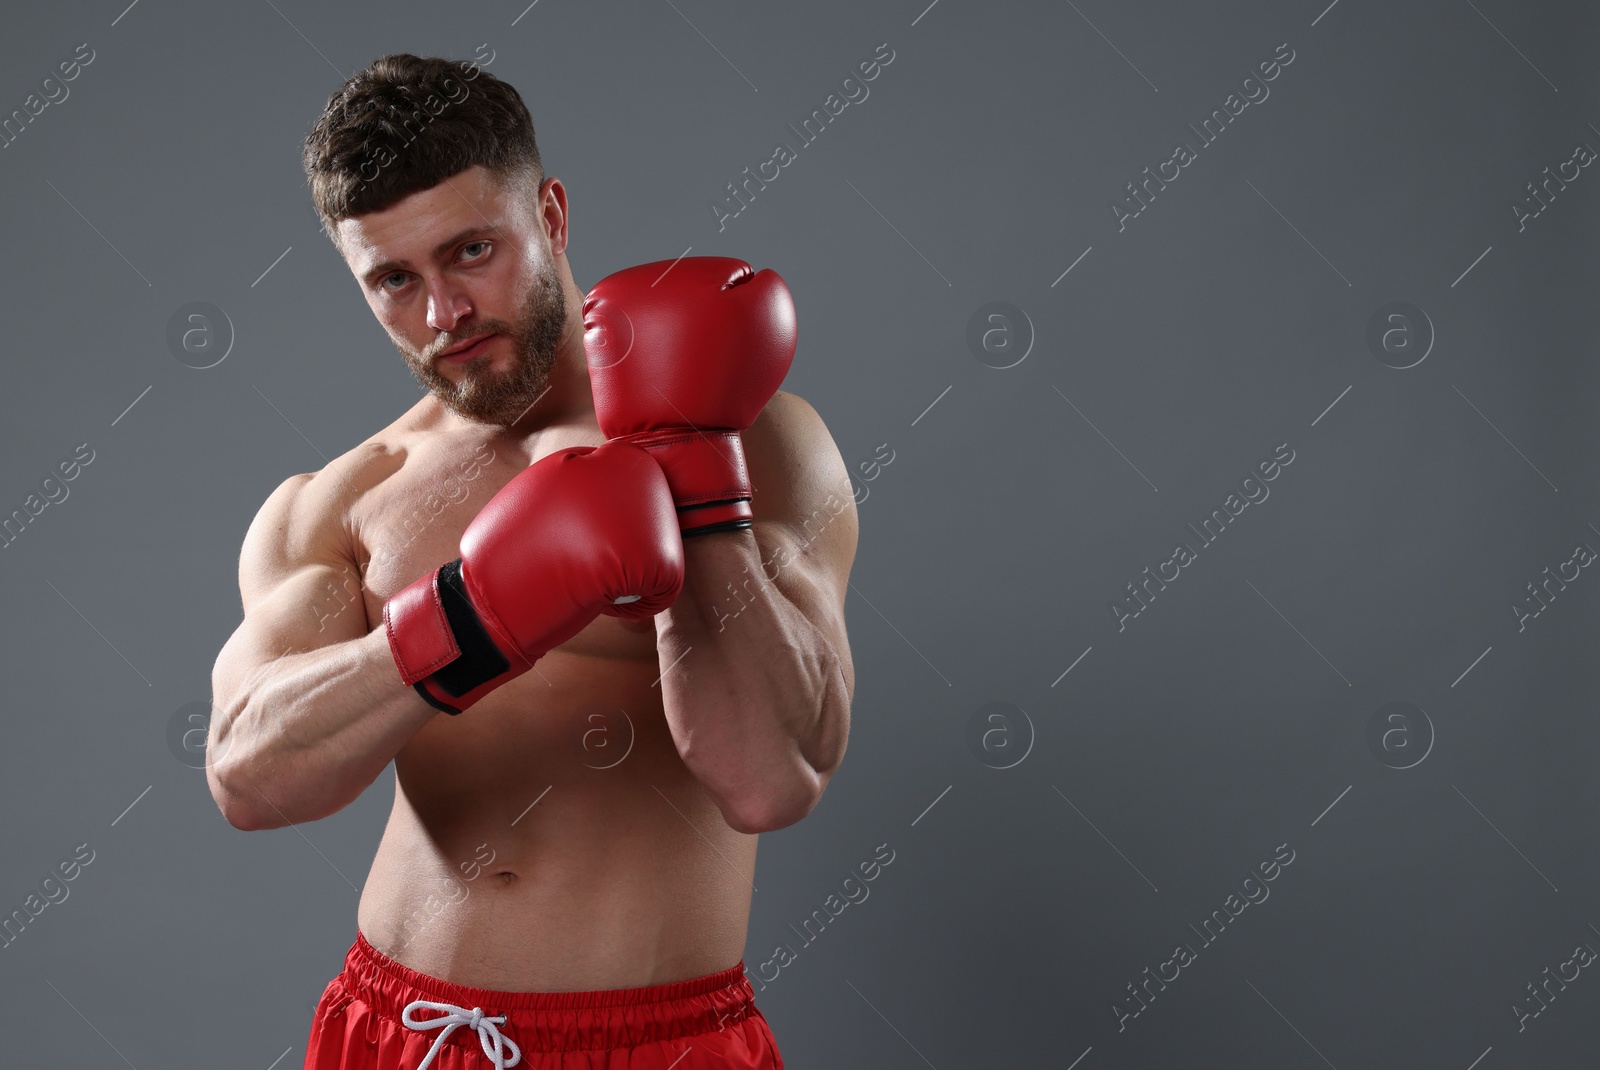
805,516
299,585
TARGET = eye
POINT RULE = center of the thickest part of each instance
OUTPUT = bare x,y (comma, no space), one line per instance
383,283
482,243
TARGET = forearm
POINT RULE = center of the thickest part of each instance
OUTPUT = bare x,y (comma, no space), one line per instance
310,732
756,702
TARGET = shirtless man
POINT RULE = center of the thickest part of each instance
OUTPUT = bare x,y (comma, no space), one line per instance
568,864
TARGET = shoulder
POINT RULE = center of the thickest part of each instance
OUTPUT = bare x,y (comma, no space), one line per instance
800,489
337,485
790,439
308,517
790,452
309,499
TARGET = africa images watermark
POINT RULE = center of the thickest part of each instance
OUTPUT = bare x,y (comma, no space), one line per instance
1142,994
1542,994
55,492
54,88
776,562
834,905
457,892
1583,555
870,470
1583,154
427,110
811,127
51,890
1211,127
1211,529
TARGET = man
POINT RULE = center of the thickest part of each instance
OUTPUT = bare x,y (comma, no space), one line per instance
589,602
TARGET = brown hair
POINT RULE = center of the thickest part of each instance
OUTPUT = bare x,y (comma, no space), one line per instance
407,123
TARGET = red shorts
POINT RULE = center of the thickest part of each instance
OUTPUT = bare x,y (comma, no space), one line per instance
380,1015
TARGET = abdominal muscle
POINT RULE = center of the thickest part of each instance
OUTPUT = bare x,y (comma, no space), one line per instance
550,838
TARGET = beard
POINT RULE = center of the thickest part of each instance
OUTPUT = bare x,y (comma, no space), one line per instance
500,398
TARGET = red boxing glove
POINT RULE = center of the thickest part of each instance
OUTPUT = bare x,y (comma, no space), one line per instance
584,531
682,357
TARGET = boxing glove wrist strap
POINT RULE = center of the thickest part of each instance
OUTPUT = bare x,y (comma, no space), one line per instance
706,472
438,640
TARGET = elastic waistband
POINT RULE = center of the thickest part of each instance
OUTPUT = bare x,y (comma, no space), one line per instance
559,1021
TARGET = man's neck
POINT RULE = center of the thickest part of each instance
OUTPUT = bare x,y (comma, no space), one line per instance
566,400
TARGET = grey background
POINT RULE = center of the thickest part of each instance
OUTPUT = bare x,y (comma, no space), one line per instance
1227,719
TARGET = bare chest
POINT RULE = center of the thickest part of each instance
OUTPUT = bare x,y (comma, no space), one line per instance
411,521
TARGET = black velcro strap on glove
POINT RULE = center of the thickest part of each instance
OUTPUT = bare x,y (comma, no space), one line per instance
480,659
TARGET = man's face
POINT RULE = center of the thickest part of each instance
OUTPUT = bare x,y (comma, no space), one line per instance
465,263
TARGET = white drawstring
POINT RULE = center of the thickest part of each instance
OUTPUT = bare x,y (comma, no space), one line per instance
454,1017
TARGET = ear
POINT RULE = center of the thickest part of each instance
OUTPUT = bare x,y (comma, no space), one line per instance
552,210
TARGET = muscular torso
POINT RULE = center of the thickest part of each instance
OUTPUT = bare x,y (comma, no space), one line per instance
549,838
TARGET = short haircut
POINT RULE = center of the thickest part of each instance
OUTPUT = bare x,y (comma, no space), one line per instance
407,123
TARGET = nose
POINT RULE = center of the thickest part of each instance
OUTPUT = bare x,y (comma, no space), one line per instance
446,308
